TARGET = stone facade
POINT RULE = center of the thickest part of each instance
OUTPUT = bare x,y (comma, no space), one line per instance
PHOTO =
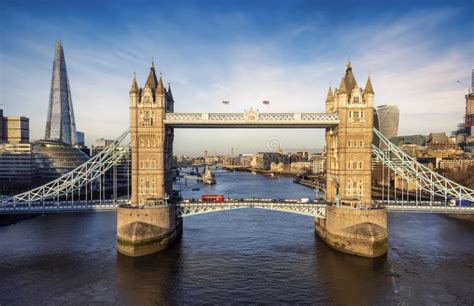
349,145
146,231
15,129
152,142
149,223
456,163
361,232
352,225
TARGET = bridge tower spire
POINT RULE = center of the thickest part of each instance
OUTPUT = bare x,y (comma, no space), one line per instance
149,224
330,101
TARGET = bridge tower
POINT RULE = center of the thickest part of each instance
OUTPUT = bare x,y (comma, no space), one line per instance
352,224
149,224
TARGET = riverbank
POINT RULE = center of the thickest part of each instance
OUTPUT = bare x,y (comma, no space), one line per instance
464,217
260,171
310,183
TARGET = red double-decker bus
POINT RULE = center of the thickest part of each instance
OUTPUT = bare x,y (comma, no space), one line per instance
212,198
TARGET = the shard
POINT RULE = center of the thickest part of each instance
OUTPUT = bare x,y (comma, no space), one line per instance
60,124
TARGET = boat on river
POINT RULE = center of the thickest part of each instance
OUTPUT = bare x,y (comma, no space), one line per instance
208,177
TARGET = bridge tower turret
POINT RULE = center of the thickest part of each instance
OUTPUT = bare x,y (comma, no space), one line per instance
169,139
148,224
330,101
349,174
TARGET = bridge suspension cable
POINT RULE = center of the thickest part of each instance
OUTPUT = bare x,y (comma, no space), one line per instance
411,170
76,178
392,157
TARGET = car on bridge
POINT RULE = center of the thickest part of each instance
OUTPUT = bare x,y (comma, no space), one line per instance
459,202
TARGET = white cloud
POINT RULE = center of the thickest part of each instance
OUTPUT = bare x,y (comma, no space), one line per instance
410,67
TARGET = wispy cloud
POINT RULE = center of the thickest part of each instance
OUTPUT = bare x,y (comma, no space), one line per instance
230,55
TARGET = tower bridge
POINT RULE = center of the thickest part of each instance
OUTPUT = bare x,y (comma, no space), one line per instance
349,220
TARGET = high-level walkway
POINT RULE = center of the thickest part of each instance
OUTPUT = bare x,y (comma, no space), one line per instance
251,119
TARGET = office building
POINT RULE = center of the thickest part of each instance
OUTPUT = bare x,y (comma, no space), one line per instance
388,120
14,129
17,163
60,124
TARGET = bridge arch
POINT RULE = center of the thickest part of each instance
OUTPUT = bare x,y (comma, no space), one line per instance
198,208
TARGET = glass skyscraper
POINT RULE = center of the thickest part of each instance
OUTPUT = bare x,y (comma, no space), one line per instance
60,124
388,119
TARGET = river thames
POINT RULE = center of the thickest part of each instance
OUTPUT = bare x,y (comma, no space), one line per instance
240,256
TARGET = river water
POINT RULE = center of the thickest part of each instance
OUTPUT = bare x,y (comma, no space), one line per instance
240,256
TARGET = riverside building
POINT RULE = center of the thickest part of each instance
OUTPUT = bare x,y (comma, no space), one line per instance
14,129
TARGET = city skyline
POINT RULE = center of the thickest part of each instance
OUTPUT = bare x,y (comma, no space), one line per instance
242,55
236,151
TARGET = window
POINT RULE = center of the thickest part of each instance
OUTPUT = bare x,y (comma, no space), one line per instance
360,165
349,143
356,100
349,187
349,165
361,144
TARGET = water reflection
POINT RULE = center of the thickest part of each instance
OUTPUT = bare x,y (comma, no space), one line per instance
352,280
151,279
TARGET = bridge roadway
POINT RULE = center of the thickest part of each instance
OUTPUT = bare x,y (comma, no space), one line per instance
189,208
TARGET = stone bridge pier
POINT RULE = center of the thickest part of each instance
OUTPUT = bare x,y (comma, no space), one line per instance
352,225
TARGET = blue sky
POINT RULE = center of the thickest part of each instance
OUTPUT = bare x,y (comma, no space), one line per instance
242,51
